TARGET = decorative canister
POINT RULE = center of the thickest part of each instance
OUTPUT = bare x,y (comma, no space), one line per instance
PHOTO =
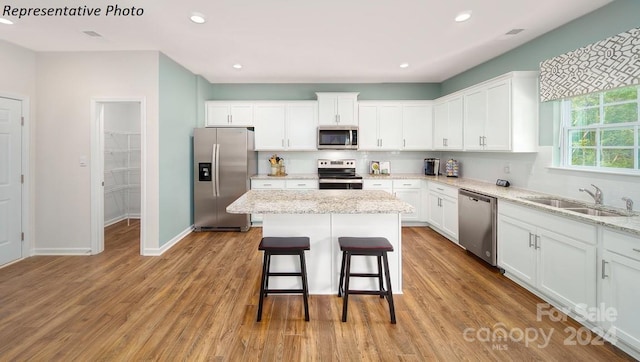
452,168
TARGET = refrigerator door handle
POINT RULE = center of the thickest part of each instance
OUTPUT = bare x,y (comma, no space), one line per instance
213,169
217,183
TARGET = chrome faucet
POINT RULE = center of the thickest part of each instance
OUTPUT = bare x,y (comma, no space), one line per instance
629,203
597,196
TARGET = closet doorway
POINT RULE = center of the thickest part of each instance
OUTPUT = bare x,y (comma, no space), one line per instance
117,210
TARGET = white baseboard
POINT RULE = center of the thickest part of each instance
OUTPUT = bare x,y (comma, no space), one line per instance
61,251
161,250
120,218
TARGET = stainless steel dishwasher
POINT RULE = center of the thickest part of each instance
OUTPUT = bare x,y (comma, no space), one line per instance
477,215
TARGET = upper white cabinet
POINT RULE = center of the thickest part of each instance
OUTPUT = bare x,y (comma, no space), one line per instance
447,123
389,125
380,126
417,125
502,114
338,108
228,114
551,254
285,125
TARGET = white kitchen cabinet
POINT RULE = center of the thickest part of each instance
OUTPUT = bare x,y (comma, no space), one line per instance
443,210
550,254
377,184
620,292
448,115
380,126
281,184
501,114
228,114
337,108
409,191
285,125
417,126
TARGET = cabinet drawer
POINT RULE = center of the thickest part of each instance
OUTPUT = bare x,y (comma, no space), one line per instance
301,184
406,184
624,244
267,184
377,184
443,189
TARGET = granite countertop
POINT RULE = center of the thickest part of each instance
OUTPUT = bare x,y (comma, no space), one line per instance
297,176
318,202
630,224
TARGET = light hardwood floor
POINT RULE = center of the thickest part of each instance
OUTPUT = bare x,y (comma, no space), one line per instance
198,302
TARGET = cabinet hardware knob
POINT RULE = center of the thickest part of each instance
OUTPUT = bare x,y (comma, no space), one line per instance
537,239
638,250
530,242
604,263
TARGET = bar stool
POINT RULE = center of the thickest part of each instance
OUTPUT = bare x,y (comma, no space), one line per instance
370,246
283,246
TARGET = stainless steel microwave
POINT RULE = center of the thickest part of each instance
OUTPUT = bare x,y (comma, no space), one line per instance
337,138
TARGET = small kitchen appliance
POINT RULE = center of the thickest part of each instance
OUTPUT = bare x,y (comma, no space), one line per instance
432,166
337,138
452,168
338,175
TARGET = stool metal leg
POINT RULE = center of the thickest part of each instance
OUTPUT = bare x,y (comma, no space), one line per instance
392,309
305,287
266,282
344,259
262,283
379,258
345,301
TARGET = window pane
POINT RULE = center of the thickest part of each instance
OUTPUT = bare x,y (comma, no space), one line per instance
621,94
617,158
582,138
621,113
617,137
585,101
583,157
585,117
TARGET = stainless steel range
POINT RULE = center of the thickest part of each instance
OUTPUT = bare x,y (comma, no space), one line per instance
338,175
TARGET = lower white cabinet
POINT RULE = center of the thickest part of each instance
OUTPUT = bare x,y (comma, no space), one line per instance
620,292
410,192
550,254
376,184
443,210
281,184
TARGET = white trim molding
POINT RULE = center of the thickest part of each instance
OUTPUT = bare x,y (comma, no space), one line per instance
168,245
62,251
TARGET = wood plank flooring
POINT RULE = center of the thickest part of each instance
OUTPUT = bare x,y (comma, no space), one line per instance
198,302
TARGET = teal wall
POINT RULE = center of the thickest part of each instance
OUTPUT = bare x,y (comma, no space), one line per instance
306,91
178,114
204,92
612,19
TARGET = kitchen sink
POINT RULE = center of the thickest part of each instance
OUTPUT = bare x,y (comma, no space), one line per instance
563,204
594,212
574,206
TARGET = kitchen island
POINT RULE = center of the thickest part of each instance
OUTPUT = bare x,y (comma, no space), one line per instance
324,216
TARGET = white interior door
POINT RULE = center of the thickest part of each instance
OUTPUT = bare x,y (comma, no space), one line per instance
10,184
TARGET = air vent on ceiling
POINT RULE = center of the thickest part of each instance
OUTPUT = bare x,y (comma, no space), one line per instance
92,34
514,31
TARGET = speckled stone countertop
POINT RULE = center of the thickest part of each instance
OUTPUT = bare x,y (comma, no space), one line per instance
630,224
318,202
297,176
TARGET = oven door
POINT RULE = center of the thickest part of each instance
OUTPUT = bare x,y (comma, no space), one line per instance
340,184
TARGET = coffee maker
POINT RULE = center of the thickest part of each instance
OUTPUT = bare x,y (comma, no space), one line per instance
432,166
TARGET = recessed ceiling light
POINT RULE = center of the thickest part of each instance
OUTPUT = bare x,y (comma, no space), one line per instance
404,65
6,21
237,66
463,16
198,18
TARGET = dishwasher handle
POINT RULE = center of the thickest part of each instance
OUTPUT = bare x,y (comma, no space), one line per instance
475,196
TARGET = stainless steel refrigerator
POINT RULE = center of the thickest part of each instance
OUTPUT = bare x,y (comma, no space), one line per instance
224,160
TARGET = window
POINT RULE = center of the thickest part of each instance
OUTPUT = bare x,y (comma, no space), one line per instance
601,130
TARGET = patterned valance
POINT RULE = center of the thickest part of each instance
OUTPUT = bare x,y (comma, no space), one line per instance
607,64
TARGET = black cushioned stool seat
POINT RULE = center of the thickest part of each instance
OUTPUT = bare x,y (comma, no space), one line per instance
283,246
369,246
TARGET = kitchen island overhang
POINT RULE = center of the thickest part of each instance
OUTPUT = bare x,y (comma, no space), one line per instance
324,216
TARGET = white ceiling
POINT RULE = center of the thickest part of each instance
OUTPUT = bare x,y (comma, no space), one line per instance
304,41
